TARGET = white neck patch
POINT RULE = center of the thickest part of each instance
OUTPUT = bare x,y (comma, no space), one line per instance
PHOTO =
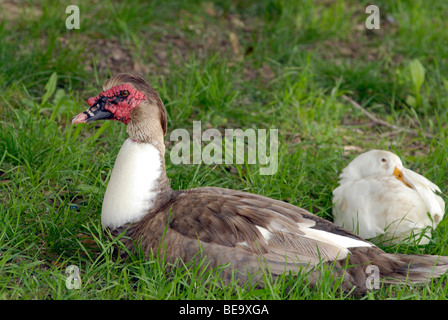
132,187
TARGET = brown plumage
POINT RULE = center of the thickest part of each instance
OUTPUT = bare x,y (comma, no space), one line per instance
247,231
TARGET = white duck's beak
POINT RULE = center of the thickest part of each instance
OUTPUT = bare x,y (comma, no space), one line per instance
399,175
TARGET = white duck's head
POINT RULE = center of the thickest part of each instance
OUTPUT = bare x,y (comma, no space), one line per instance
129,99
374,163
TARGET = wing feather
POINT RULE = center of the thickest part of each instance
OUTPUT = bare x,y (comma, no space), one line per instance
259,225
427,191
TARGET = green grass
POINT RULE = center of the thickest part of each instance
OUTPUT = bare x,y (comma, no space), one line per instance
289,69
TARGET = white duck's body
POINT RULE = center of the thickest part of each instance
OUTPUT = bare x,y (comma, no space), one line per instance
385,200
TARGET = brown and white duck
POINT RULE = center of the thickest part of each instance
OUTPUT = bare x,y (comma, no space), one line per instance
247,231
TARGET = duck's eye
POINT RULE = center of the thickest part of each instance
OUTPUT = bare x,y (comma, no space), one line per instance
384,160
124,93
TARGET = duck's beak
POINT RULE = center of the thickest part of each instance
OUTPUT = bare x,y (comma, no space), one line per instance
96,112
399,175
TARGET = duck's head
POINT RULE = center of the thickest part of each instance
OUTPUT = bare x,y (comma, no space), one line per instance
375,163
129,99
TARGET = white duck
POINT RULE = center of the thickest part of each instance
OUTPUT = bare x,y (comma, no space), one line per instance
379,199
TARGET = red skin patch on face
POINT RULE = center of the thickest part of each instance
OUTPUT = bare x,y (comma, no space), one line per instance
119,104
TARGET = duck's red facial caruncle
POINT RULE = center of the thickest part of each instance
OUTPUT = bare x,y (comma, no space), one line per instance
114,104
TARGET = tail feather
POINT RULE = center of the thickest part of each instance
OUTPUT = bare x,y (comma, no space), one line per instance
392,268
415,268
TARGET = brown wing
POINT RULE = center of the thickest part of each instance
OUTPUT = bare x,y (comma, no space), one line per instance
258,225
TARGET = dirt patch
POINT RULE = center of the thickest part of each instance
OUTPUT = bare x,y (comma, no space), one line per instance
362,43
168,47
112,55
16,10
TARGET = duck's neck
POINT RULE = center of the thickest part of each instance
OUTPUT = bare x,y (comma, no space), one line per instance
138,180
